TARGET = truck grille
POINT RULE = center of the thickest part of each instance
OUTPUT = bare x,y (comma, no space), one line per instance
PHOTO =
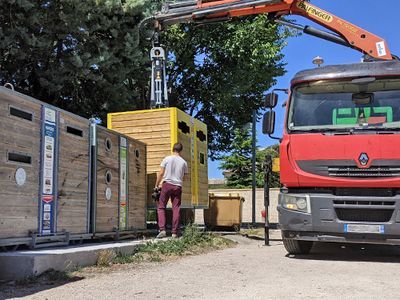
372,172
380,168
364,202
364,215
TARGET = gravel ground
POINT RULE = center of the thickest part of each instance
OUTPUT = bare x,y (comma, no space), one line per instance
247,271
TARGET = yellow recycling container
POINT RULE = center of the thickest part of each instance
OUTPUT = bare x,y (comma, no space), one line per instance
160,129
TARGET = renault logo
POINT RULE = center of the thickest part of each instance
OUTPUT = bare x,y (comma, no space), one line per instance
363,159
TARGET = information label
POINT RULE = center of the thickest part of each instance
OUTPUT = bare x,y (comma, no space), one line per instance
48,171
123,201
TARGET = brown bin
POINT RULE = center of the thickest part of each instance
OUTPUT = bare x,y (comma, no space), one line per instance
225,211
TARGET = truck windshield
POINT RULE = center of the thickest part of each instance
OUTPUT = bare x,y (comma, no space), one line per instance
330,106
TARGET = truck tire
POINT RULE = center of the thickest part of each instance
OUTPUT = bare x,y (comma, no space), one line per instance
297,247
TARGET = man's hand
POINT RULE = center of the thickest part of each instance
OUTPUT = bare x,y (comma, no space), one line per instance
156,194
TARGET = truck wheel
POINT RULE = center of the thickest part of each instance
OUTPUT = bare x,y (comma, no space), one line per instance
297,247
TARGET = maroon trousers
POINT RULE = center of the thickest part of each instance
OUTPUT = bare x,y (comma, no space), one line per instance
173,192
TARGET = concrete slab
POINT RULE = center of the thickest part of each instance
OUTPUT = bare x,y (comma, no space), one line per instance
21,264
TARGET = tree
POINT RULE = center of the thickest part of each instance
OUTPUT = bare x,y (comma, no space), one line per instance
272,151
219,73
86,57
238,164
83,56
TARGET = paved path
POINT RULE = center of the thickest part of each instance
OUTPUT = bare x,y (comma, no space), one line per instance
248,271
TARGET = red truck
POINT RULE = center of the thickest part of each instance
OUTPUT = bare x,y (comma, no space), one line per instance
339,162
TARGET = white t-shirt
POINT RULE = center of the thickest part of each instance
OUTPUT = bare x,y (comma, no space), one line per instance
175,167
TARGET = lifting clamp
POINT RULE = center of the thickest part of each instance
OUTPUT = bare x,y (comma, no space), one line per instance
159,93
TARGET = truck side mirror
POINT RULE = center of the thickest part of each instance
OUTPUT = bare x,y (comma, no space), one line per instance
268,125
271,100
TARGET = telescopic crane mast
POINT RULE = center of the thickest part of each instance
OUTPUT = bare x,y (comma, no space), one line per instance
212,11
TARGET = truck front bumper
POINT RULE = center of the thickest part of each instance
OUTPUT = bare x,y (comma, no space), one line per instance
330,217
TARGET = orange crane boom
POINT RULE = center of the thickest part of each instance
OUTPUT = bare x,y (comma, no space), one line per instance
212,11
346,33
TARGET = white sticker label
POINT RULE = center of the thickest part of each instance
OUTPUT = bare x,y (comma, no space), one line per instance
381,48
20,176
48,165
108,193
123,142
46,216
49,115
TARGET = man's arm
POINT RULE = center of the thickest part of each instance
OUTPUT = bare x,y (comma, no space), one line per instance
160,176
185,173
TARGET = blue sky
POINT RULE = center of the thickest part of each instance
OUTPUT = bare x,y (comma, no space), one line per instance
378,17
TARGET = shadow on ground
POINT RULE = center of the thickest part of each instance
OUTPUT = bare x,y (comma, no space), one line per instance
30,286
352,252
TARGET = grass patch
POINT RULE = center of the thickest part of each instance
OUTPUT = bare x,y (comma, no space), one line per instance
256,232
106,258
193,241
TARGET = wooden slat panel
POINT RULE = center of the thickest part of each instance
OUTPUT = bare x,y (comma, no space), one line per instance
140,116
202,174
107,210
19,204
73,176
143,130
137,185
142,122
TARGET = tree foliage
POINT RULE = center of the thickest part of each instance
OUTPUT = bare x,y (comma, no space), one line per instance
87,57
238,164
219,73
273,152
79,55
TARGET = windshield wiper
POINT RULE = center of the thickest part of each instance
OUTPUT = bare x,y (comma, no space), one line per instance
377,128
321,130
348,131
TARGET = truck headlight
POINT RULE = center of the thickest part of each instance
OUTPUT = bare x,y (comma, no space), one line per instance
295,202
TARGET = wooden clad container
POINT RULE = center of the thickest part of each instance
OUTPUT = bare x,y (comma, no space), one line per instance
20,123
120,182
160,129
45,190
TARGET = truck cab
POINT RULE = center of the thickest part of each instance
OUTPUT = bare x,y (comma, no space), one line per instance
340,156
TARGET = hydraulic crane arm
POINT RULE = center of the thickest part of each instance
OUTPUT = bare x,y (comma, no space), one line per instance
212,11
207,11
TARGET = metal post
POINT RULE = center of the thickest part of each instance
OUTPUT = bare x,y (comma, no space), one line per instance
267,175
253,167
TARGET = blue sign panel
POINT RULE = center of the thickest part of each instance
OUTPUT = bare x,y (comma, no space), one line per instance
48,171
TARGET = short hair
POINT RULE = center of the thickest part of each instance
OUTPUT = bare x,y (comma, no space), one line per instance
177,148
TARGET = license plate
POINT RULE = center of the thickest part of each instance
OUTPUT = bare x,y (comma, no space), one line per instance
364,228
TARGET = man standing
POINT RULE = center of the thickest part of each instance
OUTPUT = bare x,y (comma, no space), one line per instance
172,172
